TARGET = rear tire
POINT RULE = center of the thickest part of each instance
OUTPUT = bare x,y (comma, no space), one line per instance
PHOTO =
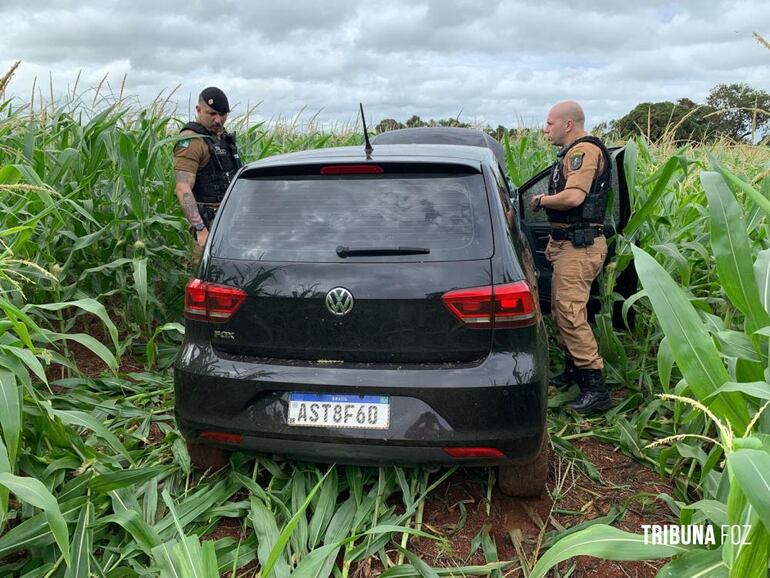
526,480
205,457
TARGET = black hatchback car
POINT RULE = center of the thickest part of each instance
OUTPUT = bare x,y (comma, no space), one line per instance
369,309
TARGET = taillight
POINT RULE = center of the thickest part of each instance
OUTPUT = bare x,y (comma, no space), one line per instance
352,170
210,301
499,307
474,452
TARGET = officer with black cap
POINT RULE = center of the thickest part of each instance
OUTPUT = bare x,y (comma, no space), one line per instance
205,163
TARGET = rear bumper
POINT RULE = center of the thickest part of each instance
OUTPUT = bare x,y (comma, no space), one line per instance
499,403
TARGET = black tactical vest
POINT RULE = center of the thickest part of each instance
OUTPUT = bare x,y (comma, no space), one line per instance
595,204
212,179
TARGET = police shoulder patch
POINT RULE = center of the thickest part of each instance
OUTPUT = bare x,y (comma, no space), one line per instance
183,144
576,160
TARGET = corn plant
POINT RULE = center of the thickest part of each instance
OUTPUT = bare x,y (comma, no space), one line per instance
95,478
725,379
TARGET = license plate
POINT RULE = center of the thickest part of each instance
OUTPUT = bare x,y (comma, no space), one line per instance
351,411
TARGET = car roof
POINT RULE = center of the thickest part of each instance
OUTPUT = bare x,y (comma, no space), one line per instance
443,135
426,153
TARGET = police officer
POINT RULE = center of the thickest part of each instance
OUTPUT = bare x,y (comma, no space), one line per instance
575,205
204,165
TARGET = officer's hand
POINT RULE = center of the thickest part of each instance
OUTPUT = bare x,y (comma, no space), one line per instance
201,237
534,203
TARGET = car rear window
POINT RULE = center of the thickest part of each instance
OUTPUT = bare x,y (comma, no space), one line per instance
307,218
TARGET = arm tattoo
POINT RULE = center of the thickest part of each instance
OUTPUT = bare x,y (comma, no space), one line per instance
190,209
185,177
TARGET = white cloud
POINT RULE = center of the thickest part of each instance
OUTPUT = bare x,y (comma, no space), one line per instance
501,61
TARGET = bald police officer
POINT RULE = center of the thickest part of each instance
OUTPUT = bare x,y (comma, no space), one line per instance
575,204
205,163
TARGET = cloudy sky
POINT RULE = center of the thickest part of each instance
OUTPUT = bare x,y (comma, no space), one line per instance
488,61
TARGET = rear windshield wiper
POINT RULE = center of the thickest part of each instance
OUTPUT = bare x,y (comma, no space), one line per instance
343,251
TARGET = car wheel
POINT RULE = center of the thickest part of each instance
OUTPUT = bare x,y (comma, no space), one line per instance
206,457
526,480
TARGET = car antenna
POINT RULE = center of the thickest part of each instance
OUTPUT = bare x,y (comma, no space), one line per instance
368,148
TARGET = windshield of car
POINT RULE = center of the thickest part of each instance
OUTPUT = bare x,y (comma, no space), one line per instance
310,218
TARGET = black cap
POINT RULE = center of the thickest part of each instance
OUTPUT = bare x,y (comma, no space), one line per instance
216,99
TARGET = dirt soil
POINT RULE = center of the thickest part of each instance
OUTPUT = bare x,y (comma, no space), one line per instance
458,508
572,498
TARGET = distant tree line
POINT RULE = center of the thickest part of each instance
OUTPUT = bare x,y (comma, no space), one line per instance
733,111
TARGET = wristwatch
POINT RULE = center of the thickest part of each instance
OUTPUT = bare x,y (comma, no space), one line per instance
199,226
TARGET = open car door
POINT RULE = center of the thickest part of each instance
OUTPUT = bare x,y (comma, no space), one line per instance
537,230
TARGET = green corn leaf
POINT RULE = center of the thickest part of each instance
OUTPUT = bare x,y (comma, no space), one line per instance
752,471
33,492
732,252
753,556
107,267
140,280
89,305
164,558
195,504
189,554
665,360
209,562
681,264
339,527
299,537
266,529
89,343
103,483
22,323
255,489
9,175
133,523
662,179
423,569
699,563
36,531
747,189
630,157
603,542
187,549
81,545
737,344
130,171
27,358
762,277
759,389
695,353
5,468
150,349
83,419
91,239
277,550
10,413
313,565
714,510
324,510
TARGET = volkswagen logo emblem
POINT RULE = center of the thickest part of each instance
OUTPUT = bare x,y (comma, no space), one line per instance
339,301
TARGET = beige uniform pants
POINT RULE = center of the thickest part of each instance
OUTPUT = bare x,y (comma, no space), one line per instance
574,269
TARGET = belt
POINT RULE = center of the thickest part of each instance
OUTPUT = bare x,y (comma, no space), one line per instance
210,205
566,234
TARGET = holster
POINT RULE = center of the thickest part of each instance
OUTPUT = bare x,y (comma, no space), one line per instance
580,235
207,212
